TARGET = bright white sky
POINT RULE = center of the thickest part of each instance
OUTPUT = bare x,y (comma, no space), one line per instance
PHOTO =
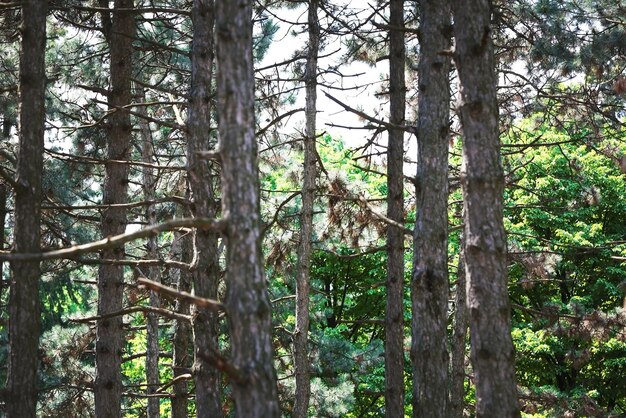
283,48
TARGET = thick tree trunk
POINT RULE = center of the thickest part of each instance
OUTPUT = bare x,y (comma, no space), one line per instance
181,250
482,178
109,335
301,334
459,336
206,272
394,315
24,309
247,303
153,272
430,285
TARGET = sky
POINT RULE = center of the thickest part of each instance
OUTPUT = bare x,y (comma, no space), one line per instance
329,112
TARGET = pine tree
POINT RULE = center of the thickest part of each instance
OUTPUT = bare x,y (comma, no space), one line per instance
394,312
482,178
206,272
247,304
24,303
109,332
301,333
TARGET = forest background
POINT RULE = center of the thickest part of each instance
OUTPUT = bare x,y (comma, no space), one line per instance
370,227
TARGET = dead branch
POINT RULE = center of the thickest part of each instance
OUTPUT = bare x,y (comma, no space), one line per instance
134,309
210,304
116,241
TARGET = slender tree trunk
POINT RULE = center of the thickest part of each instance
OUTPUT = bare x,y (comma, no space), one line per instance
482,178
206,271
247,303
4,190
394,315
24,309
301,334
459,336
153,272
181,250
3,218
430,285
109,334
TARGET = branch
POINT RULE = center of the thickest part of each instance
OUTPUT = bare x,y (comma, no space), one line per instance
134,263
221,363
8,178
277,211
365,116
116,240
383,218
186,376
210,304
86,159
210,155
10,5
372,250
133,309
278,119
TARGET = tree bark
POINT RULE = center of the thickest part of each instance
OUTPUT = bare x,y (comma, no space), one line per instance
153,272
459,335
181,250
301,334
394,315
482,179
430,285
206,272
247,303
3,218
24,303
109,334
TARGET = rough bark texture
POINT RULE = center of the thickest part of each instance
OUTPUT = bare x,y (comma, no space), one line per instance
109,335
206,271
459,335
301,334
181,250
482,178
430,285
153,272
394,314
247,303
3,216
24,304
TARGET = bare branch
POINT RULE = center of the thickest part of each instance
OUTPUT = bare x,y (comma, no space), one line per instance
221,363
186,376
210,304
133,309
116,240
409,129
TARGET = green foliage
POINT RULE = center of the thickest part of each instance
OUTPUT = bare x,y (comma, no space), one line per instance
564,215
263,39
66,371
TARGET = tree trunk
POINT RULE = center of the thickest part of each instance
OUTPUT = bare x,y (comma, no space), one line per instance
181,250
301,334
109,335
394,315
459,336
247,303
482,178
24,303
153,272
430,285
3,218
206,271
